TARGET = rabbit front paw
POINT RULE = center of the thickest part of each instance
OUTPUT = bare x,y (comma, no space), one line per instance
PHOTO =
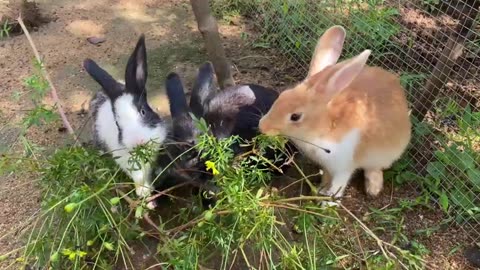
329,203
143,190
334,203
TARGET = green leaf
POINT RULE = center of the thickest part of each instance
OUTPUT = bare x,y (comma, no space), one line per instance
81,254
90,243
3,258
436,170
208,215
297,44
139,212
114,200
259,193
285,8
108,246
474,177
462,199
444,201
54,257
66,252
465,161
71,256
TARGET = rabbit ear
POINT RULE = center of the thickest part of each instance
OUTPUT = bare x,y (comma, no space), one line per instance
109,85
136,72
176,95
328,49
202,89
347,72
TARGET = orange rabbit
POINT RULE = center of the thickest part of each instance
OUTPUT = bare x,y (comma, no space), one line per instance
344,116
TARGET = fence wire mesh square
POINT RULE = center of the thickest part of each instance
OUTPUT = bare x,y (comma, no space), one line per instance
434,47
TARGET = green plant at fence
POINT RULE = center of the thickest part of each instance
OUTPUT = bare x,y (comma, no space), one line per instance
84,222
456,168
452,175
295,26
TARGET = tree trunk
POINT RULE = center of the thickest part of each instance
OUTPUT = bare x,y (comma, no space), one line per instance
450,54
453,50
207,25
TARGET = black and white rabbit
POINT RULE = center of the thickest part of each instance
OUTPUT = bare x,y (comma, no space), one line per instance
123,118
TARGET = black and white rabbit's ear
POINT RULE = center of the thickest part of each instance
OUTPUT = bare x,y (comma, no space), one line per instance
110,86
176,95
136,71
203,89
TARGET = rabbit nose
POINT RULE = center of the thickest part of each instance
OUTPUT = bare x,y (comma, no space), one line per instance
262,126
267,129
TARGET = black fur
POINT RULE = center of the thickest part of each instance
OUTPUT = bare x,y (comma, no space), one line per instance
202,89
110,86
136,75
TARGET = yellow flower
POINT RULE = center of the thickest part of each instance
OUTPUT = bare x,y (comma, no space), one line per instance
211,166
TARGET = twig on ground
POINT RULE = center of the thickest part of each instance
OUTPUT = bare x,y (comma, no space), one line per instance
164,192
53,91
251,56
381,244
303,198
194,221
146,217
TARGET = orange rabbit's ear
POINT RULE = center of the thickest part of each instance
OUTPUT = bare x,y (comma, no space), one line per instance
348,71
328,49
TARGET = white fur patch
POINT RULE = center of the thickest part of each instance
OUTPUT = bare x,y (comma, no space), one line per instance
341,153
339,162
139,72
134,131
241,96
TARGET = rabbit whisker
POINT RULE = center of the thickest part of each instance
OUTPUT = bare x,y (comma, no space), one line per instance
323,148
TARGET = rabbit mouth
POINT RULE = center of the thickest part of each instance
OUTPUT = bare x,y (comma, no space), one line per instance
269,131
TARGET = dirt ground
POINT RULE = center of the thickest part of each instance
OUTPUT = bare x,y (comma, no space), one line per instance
173,44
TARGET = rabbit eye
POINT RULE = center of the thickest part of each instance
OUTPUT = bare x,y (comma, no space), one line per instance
295,117
142,112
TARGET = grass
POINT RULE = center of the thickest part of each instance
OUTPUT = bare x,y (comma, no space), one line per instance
293,27
89,217
5,29
84,222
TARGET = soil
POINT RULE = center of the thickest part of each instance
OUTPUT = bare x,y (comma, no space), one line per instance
173,44
30,14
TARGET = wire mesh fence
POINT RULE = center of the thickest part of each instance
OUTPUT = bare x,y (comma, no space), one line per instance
434,47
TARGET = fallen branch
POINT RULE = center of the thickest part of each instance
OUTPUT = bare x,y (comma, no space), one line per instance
381,244
53,91
133,204
193,222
